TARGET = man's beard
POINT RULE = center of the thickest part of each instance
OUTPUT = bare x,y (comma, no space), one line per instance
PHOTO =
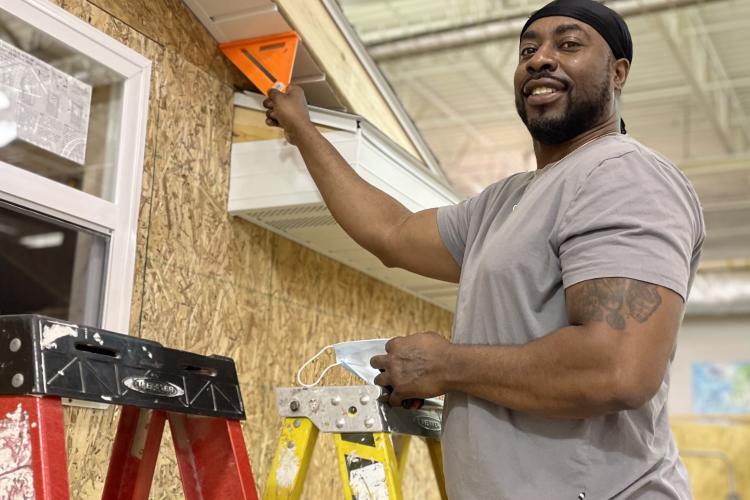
580,116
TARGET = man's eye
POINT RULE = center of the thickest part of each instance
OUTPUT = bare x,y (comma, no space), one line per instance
570,45
527,51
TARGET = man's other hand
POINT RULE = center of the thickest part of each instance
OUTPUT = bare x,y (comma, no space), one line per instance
415,366
288,111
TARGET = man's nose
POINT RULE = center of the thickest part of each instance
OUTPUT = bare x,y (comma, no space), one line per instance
544,59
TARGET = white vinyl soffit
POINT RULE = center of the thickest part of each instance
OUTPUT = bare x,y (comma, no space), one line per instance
270,186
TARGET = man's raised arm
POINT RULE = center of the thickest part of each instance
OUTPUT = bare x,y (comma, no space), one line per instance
380,224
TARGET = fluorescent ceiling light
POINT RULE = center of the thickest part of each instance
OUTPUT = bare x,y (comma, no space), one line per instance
44,240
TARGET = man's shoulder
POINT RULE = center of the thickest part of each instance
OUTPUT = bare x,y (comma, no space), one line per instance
625,166
623,146
629,144
627,156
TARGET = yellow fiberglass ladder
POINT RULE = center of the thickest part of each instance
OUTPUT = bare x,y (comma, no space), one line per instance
372,440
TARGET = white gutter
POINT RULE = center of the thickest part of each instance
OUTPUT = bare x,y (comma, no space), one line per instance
384,87
270,186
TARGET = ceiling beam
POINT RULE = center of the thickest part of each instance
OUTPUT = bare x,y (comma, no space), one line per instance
726,205
715,165
702,66
739,264
424,91
641,96
492,68
498,28
728,233
399,73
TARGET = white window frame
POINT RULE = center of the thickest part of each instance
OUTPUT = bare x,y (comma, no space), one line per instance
118,218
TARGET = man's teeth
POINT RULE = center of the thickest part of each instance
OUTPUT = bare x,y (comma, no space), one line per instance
542,90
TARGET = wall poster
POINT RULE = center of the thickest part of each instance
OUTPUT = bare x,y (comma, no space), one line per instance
42,105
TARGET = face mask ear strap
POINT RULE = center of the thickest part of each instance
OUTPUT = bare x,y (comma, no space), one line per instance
320,377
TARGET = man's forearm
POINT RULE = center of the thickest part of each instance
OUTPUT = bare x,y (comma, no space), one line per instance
613,356
570,373
366,213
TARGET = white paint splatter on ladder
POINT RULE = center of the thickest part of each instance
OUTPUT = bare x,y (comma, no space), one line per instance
288,466
50,333
368,482
16,474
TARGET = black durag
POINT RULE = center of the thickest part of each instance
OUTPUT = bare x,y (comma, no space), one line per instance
604,20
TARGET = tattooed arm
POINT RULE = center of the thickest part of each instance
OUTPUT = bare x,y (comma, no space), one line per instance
612,357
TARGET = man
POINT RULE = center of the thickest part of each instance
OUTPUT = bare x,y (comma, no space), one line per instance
572,282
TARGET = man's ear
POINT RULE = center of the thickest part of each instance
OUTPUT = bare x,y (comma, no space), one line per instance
621,70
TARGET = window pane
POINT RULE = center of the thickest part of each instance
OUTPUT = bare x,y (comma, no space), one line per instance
43,111
50,267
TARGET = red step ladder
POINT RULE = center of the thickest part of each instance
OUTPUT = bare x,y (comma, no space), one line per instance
198,395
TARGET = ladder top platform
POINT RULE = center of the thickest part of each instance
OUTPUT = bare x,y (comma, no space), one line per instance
48,357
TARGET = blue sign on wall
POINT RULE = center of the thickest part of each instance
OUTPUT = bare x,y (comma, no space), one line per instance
721,388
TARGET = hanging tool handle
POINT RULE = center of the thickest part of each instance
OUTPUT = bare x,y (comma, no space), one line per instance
408,404
413,403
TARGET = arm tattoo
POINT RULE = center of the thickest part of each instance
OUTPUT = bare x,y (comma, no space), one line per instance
615,299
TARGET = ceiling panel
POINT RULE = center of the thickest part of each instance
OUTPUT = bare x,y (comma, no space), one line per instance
462,102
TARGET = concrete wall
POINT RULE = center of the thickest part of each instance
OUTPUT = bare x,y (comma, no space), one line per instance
705,338
711,448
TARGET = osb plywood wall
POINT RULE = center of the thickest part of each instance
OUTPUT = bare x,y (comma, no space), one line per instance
712,452
215,285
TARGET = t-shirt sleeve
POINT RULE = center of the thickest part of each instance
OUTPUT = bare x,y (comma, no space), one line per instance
454,224
632,217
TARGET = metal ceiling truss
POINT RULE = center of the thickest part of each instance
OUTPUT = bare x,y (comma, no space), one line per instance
498,28
347,30
422,90
703,68
494,68
463,74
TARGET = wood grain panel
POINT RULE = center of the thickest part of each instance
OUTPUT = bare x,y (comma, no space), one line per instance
250,125
171,25
709,475
215,285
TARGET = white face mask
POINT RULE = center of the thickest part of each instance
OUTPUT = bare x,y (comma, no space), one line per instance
354,356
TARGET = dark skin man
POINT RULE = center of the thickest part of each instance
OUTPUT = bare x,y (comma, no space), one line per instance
621,333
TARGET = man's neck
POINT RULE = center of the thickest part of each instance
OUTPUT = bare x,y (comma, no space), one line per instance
550,153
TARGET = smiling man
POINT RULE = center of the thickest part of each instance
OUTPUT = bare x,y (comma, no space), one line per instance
572,279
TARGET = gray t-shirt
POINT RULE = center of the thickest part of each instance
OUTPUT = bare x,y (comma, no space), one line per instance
612,208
